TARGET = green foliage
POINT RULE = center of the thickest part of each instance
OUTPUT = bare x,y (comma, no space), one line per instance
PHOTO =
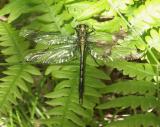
91,8
68,112
146,16
154,40
133,95
16,76
14,46
139,70
144,97
139,87
18,7
130,24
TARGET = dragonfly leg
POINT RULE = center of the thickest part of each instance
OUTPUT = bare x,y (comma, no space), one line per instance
93,56
95,60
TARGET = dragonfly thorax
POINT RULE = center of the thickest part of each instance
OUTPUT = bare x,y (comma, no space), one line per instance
82,31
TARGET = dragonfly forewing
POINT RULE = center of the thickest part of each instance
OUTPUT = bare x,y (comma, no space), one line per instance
48,38
54,39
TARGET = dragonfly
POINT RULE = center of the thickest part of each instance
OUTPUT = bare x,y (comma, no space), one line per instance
66,48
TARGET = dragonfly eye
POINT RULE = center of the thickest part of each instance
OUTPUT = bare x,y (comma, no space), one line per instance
81,26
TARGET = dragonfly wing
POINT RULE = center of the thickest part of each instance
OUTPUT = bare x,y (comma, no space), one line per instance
97,55
53,56
54,39
112,52
126,53
48,38
100,44
107,37
105,45
100,37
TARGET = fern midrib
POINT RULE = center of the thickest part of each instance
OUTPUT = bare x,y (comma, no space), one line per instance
16,46
51,14
67,105
12,84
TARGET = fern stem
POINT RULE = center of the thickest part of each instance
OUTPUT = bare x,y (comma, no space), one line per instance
40,113
153,57
67,103
11,118
158,85
19,120
39,109
24,116
34,105
9,64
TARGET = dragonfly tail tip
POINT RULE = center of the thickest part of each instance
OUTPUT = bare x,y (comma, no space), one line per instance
80,101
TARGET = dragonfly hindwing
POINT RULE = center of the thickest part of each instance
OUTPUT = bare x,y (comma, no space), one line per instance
53,56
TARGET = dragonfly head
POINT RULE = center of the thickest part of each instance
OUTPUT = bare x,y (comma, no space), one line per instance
82,29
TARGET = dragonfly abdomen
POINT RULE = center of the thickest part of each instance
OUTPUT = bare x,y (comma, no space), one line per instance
82,42
81,78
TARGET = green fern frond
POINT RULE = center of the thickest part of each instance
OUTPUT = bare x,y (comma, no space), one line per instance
70,71
145,102
17,76
146,16
66,102
55,15
94,8
154,39
14,84
89,9
18,7
62,16
66,110
136,70
52,15
107,26
131,87
14,45
122,6
145,120
132,94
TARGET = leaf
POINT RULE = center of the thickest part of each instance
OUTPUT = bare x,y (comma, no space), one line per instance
107,25
18,7
133,102
131,87
18,75
154,40
64,99
138,70
89,9
146,16
14,44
